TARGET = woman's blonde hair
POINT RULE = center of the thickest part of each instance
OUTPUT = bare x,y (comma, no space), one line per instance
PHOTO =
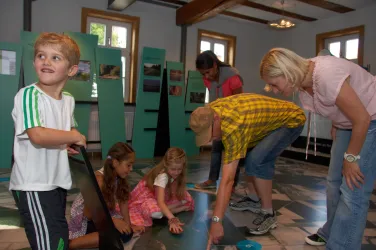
172,156
284,62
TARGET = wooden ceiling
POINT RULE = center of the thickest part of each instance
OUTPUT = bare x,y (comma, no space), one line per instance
263,11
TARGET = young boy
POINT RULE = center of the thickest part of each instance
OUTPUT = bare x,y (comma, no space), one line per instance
44,121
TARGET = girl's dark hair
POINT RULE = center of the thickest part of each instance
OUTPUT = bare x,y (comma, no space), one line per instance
206,60
112,185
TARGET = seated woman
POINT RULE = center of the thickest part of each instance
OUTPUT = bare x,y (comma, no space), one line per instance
115,189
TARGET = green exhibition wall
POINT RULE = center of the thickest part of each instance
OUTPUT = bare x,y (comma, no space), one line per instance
110,98
10,64
28,39
147,101
80,86
176,96
195,97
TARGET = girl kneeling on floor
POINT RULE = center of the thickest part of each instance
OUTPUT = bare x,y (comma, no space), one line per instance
162,192
115,190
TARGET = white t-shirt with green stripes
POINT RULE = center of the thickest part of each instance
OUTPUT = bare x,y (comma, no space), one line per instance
38,168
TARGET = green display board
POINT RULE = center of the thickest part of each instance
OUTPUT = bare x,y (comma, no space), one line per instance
147,101
80,85
10,64
176,96
195,97
28,39
110,98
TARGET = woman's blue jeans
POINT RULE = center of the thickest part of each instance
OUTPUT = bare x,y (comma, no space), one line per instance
347,210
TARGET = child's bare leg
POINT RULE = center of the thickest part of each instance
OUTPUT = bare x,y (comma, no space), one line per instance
174,205
179,209
87,241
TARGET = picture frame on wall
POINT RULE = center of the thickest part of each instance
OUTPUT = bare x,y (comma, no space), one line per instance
7,62
152,85
83,73
111,72
151,69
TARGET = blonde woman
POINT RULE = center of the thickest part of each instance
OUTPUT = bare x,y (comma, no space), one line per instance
345,93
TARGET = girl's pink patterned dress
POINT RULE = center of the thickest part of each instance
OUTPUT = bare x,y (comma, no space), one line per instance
143,203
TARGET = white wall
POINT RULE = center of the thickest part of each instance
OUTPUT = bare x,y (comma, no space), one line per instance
11,20
302,40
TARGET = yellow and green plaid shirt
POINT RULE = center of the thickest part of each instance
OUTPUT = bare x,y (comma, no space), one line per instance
248,118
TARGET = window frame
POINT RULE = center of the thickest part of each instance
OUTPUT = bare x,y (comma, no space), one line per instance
135,22
231,43
320,39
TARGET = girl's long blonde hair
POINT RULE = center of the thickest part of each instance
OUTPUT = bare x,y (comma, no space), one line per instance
172,156
284,62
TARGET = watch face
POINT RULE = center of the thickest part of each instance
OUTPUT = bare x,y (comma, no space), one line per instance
215,219
350,158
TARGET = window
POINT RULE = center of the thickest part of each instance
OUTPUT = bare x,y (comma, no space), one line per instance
344,46
112,34
118,32
222,45
347,43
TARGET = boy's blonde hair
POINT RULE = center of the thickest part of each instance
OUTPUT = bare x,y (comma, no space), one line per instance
172,156
284,62
66,45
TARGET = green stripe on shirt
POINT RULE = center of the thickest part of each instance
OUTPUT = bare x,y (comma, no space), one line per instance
26,124
31,110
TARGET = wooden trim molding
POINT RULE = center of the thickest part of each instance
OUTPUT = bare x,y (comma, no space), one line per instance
320,39
231,43
135,22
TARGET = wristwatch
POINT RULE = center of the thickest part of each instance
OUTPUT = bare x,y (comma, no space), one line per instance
351,157
216,219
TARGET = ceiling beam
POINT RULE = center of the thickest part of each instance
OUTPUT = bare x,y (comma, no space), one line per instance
225,13
174,2
248,18
278,11
328,5
198,10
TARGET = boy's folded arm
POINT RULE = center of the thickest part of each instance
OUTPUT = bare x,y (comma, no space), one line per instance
51,137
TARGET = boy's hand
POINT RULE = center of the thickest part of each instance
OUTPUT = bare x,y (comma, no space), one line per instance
81,139
72,151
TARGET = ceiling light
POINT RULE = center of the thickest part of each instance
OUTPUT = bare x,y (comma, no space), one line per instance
282,24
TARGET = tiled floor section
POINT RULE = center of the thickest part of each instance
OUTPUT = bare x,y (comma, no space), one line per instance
298,196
